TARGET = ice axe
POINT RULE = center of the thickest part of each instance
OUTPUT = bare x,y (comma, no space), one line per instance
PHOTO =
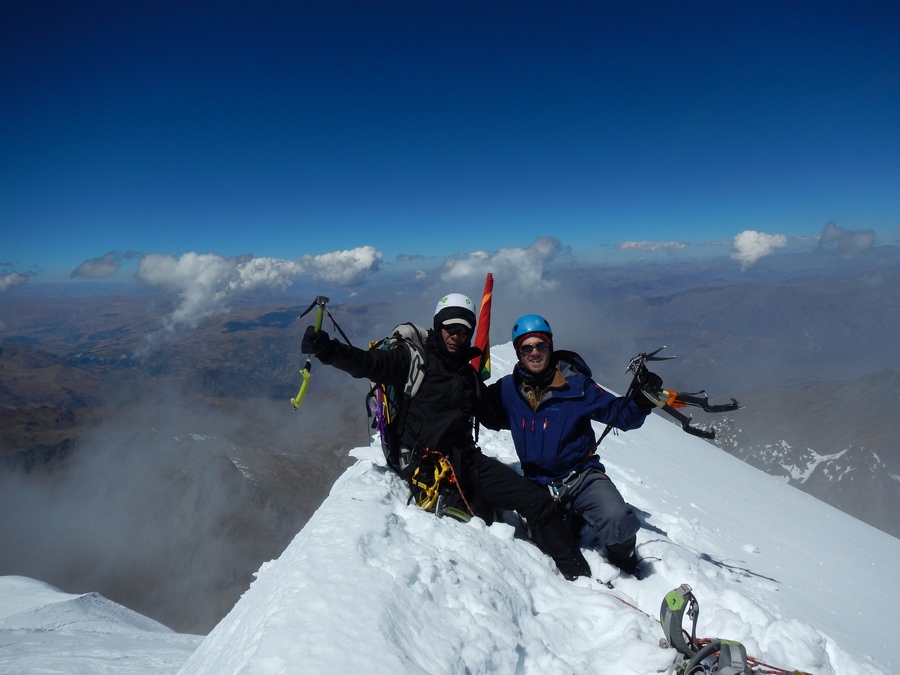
319,304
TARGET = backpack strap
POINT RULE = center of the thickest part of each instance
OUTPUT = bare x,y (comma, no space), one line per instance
387,404
413,338
570,362
416,374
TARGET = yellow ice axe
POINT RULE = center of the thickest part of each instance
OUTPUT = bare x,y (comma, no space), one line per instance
319,304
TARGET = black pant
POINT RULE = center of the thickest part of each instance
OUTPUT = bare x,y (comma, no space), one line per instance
488,484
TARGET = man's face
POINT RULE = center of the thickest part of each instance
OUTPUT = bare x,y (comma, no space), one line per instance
532,358
456,336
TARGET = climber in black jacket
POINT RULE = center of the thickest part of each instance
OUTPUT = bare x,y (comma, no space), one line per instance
439,418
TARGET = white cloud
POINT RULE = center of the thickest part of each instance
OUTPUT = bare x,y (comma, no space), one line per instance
343,268
11,280
520,266
750,245
206,282
264,273
200,280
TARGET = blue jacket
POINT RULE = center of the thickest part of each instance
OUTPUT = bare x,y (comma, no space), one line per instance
556,438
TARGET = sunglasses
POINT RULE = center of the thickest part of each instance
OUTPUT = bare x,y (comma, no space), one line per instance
541,347
457,329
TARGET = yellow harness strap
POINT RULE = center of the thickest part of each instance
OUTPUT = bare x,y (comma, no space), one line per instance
428,494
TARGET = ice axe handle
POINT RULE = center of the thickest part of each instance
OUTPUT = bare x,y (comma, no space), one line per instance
319,304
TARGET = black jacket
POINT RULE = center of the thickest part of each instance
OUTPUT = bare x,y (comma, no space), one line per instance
439,416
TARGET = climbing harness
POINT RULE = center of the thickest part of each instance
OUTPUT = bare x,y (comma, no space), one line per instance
433,482
428,491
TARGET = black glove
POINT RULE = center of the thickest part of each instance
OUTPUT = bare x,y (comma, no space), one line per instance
315,341
648,383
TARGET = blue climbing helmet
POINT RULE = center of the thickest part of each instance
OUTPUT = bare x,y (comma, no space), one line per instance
531,323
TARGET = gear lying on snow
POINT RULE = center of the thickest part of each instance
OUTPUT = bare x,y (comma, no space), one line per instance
704,656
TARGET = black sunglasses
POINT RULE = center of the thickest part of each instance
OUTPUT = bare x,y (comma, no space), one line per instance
542,347
457,329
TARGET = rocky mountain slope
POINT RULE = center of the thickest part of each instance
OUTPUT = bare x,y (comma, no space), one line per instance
834,440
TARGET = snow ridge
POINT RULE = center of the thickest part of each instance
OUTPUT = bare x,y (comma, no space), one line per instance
374,584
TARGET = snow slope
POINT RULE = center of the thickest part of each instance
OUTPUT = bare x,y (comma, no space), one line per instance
43,630
373,585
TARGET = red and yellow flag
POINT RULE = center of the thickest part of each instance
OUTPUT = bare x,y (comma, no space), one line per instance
483,331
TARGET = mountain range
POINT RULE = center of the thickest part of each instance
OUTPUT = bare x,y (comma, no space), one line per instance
101,404
374,584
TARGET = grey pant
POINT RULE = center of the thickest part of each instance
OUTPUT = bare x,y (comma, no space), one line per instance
595,497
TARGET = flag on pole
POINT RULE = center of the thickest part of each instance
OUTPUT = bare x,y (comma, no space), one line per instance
483,331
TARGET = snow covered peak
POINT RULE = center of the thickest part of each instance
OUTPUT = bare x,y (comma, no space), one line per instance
374,585
43,630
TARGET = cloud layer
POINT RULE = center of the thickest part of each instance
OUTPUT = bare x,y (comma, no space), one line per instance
522,267
205,282
668,246
844,241
11,280
95,268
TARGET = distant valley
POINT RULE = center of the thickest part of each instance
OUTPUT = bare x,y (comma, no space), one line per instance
162,469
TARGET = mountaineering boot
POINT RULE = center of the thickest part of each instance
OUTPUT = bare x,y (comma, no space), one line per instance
572,569
625,557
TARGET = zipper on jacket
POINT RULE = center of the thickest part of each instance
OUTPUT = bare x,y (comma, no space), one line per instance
546,424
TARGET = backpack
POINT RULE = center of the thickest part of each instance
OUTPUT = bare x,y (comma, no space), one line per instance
570,363
429,474
387,403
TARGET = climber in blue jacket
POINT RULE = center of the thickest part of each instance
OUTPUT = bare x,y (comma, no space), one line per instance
548,403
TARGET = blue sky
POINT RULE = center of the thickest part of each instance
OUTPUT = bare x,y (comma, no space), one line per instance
288,129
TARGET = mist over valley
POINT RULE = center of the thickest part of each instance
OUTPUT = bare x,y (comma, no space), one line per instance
160,465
